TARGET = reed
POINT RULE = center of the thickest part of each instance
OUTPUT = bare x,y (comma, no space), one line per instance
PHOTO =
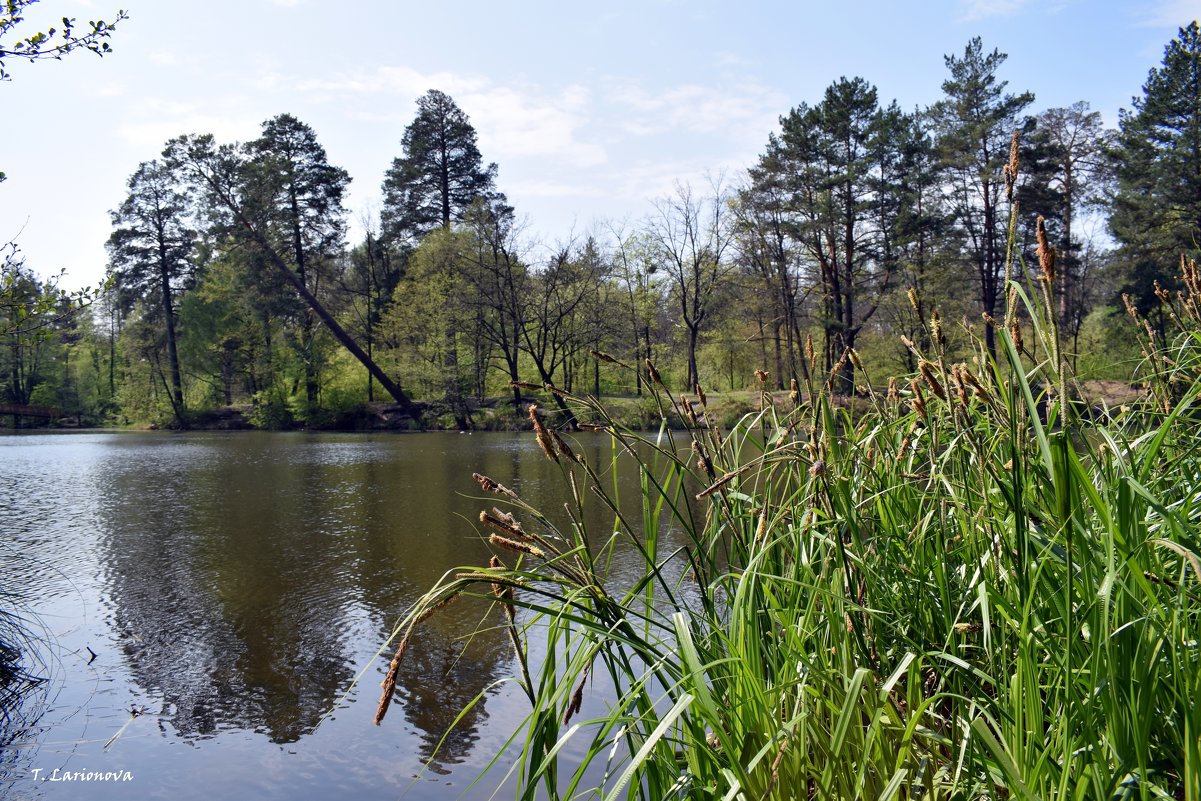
980,590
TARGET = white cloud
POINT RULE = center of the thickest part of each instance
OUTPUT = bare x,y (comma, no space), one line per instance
512,121
160,120
972,10
267,74
550,189
731,111
404,81
520,123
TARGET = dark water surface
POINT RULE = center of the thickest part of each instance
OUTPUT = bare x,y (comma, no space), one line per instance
232,587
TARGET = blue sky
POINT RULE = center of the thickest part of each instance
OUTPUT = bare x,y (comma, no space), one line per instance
590,110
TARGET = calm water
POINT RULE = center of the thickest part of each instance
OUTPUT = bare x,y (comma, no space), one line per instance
232,587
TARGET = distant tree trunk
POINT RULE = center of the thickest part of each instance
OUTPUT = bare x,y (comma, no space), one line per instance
172,351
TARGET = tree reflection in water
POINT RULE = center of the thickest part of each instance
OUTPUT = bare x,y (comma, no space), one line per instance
248,577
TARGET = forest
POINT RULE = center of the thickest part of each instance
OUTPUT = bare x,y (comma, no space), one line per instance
235,295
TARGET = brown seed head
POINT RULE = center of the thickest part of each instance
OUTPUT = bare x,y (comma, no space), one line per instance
919,400
1011,169
604,357
686,407
925,368
794,391
505,523
516,547
502,592
540,432
577,699
960,386
1046,253
716,485
702,460
653,373
967,376
562,447
1133,312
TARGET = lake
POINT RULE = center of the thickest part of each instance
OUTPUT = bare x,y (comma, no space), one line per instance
204,603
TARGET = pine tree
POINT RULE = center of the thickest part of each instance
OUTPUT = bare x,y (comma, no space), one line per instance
974,124
431,186
1157,204
439,175
151,256
838,164
298,196
220,172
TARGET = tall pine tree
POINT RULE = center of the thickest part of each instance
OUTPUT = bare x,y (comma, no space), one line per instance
151,256
439,176
974,124
1157,205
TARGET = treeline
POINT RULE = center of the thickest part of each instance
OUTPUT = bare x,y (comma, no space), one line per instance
232,281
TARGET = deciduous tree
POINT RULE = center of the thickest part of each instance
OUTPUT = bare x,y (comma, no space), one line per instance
691,237
296,196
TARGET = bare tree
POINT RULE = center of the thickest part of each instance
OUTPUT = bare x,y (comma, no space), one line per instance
691,238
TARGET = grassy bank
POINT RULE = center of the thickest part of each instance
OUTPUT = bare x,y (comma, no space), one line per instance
969,587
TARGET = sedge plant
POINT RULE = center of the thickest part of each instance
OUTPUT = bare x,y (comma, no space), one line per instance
968,586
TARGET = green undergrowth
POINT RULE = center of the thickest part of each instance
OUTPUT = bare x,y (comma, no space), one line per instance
966,587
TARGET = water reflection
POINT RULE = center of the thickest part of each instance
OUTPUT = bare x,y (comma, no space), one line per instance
234,585
244,573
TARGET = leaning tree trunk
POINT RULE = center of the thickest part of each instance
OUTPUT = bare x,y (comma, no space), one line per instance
344,339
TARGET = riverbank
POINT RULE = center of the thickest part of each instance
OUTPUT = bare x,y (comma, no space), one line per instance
501,414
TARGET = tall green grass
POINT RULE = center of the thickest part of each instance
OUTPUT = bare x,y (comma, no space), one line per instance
970,587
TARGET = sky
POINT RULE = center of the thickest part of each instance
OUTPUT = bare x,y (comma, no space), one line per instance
590,110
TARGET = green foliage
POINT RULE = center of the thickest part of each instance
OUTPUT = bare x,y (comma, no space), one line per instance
152,257
859,224
837,163
53,42
39,326
271,410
